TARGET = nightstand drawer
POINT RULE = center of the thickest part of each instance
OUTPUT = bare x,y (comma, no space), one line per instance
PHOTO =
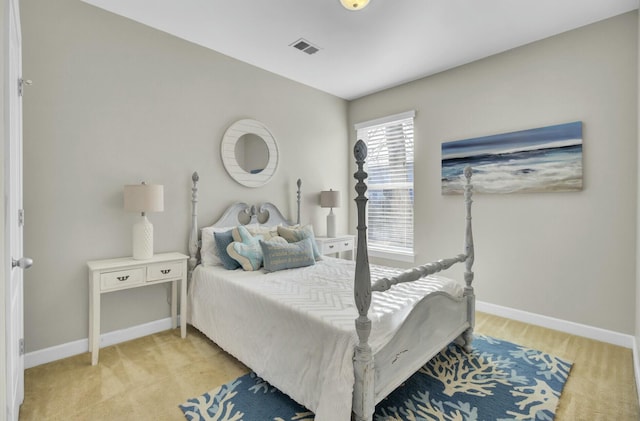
336,246
121,278
161,271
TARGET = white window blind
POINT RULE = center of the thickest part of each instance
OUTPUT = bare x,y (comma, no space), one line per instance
390,183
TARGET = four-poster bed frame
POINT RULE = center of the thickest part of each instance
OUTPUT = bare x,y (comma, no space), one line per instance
434,322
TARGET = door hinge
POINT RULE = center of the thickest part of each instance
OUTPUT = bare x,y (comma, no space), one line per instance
21,345
21,83
20,217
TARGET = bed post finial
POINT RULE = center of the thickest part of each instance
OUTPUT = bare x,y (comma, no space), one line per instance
193,234
299,184
363,394
470,253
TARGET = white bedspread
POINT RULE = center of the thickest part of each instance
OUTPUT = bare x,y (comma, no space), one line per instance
295,328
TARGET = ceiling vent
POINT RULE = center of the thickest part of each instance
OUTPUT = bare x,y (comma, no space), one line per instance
305,46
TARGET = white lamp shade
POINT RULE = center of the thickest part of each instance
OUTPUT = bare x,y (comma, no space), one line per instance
144,198
330,199
354,4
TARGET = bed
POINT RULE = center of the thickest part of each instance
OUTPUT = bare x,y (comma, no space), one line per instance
295,327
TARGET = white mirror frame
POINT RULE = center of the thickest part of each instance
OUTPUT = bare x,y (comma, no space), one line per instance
228,152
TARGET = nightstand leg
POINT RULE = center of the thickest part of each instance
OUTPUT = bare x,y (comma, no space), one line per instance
174,304
90,315
183,304
94,328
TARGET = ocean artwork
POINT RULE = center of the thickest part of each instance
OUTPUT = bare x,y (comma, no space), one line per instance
546,159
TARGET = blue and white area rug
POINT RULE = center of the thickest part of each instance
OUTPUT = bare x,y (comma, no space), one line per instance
499,380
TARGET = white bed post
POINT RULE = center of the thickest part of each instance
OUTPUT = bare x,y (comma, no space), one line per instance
363,390
299,184
468,274
193,234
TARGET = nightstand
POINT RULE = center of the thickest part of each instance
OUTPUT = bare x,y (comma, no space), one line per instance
338,244
125,273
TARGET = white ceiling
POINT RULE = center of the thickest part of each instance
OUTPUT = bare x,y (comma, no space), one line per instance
386,44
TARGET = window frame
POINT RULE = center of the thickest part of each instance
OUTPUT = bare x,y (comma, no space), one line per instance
391,252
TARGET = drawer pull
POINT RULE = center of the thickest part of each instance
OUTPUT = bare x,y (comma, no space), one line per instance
165,271
346,244
123,278
331,246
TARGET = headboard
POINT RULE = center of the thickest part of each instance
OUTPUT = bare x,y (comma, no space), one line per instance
239,213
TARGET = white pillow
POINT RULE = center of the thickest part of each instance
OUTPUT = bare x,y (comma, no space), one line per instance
209,250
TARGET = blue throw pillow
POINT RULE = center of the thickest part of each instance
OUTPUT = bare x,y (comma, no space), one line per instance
280,256
247,252
223,239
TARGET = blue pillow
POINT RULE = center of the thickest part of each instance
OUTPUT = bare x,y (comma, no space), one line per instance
223,239
246,252
280,256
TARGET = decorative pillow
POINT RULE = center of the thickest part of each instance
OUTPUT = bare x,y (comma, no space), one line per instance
247,252
209,251
279,256
295,234
254,229
223,239
267,232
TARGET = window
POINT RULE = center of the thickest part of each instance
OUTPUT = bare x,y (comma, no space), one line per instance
390,185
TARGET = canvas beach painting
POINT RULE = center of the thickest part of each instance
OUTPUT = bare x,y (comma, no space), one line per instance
546,159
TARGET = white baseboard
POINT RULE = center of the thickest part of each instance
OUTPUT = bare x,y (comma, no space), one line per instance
577,329
58,352
69,349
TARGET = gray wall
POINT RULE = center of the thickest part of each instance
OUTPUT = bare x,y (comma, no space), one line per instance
115,102
565,255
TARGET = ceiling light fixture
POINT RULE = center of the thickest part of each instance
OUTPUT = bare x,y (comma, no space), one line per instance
354,4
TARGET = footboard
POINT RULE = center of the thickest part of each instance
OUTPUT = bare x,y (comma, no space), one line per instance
456,321
433,324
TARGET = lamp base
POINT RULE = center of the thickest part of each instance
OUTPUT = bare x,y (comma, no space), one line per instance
331,224
142,239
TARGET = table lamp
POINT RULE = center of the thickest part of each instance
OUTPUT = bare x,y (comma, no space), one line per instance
330,199
143,198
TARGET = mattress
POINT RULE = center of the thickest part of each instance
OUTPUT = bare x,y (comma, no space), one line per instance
295,328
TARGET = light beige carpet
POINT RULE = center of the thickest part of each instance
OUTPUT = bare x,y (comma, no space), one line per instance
146,379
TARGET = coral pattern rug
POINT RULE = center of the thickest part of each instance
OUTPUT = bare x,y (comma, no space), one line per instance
499,380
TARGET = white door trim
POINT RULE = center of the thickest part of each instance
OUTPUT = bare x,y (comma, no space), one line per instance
3,165
13,226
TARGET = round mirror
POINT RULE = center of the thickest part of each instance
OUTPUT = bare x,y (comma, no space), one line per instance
249,153
252,153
